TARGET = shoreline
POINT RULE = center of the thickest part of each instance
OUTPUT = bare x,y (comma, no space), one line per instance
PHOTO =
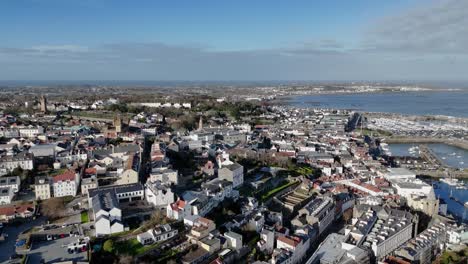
288,101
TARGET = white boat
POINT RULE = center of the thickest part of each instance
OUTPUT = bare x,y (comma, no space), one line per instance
466,204
450,181
443,158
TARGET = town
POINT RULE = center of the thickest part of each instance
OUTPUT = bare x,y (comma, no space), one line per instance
100,175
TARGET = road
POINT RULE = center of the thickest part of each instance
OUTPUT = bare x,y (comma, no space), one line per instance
7,248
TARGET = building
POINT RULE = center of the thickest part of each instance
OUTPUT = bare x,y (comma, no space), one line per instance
210,244
399,173
419,195
424,247
319,212
43,104
10,162
201,228
118,124
42,188
158,194
9,132
458,236
298,245
6,195
219,189
156,235
381,229
411,186
128,176
234,240
124,193
233,173
30,131
43,151
335,250
164,175
107,213
12,182
66,184
88,184
267,240
12,212
179,210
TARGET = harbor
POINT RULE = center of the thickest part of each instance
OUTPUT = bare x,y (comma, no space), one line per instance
455,198
440,154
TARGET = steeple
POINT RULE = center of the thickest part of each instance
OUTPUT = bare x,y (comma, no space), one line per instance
200,124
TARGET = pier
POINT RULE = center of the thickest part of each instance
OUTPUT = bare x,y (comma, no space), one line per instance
463,144
426,153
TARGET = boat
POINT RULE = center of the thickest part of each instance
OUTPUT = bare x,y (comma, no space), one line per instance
466,204
444,158
450,181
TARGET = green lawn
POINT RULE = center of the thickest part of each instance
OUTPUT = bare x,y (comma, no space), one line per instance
269,194
133,247
84,217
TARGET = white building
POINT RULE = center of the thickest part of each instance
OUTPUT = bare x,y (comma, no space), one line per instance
234,240
319,212
399,173
6,195
179,210
233,173
158,194
107,214
267,240
411,186
297,245
30,131
12,182
157,235
9,163
42,188
164,175
88,184
66,184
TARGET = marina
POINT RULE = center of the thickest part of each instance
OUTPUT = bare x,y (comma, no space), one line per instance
449,155
456,199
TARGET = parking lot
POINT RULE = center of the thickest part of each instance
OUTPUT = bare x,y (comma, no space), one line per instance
55,250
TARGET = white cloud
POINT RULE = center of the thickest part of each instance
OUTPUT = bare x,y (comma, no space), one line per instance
441,27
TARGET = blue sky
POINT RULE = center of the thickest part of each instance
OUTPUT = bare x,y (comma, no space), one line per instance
233,40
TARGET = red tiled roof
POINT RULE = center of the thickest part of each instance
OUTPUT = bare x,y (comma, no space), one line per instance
90,171
67,176
292,241
178,205
8,211
12,209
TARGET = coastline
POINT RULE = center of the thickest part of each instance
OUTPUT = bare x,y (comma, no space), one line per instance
364,102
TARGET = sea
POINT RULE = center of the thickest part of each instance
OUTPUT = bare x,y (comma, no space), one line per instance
448,103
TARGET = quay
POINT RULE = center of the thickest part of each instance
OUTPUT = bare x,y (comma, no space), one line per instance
463,144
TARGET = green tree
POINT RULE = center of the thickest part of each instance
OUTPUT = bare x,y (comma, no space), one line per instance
18,171
108,246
